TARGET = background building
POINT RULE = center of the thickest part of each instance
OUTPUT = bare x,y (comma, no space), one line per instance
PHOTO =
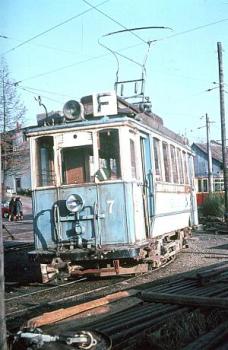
201,167
15,162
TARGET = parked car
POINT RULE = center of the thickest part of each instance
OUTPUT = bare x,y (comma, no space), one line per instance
5,209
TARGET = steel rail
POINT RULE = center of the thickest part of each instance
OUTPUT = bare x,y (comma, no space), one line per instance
45,290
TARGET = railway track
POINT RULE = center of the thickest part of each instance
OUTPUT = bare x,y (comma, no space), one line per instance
23,306
141,321
188,312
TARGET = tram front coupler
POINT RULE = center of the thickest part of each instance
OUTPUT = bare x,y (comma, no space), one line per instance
34,338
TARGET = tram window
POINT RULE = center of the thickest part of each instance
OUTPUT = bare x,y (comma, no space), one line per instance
186,176
218,185
174,163
200,185
109,155
157,159
190,168
166,161
77,164
45,157
180,164
205,187
133,159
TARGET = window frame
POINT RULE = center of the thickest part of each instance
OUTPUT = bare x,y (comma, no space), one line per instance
158,161
166,162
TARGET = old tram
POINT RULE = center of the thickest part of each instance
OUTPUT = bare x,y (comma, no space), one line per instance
113,189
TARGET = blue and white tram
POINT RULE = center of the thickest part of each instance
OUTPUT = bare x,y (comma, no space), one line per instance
113,189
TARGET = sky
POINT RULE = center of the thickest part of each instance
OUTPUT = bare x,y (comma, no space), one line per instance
55,49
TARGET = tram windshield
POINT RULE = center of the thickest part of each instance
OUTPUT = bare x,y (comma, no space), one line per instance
83,158
77,165
109,155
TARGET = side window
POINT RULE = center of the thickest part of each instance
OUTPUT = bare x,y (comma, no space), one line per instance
218,185
133,159
186,175
109,155
205,187
174,163
166,159
157,159
45,156
200,185
77,165
180,163
190,168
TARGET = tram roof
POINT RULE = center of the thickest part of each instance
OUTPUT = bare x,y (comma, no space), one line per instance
125,112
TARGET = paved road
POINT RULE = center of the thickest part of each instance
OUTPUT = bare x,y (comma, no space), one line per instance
20,230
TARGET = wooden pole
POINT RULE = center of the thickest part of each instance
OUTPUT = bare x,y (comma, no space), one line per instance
3,344
223,127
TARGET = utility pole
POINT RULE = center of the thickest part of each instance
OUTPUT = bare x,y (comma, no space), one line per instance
3,150
3,344
223,127
210,171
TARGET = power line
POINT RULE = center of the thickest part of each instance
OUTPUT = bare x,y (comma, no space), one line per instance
54,27
72,65
46,91
61,68
126,48
193,29
113,20
32,92
40,45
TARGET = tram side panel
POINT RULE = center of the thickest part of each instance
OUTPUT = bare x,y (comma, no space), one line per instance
173,211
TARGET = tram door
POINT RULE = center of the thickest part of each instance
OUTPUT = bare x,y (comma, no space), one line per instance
147,190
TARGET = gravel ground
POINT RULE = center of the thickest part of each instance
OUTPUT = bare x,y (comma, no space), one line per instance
204,250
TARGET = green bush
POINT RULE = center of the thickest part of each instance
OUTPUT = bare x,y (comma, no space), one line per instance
213,205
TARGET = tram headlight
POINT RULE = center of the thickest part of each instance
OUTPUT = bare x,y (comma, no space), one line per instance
74,203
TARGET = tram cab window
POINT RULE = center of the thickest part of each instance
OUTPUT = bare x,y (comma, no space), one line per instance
109,155
166,159
157,159
77,165
45,160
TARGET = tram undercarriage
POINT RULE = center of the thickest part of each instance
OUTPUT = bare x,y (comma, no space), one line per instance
69,263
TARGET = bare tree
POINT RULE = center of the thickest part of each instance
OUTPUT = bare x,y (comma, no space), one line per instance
12,114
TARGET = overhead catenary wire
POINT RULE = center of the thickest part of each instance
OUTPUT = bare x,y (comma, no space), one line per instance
33,93
126,48
70,65
193,29
54,27
41,45
113,20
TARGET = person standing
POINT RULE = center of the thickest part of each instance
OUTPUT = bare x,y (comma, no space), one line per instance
12,208
18,209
